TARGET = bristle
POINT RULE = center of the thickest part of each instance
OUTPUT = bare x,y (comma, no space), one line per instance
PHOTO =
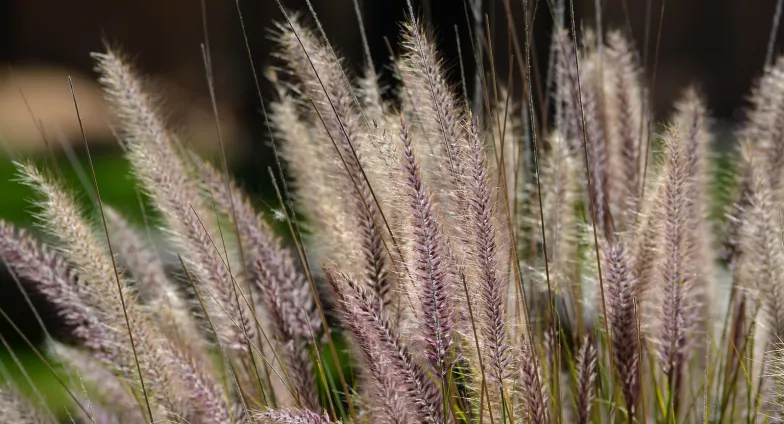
774,396
370,96
761,267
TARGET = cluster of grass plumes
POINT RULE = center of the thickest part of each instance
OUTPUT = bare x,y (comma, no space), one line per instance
480,268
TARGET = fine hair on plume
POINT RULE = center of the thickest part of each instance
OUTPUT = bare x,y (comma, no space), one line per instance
542,251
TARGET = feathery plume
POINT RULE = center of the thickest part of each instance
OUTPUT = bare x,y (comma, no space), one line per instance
646,239
431,271
561,191
134,340
625,128
621,291
284,291
761,268
322,79
437,109
154,153
158,293
106,290
292,416
593,108
316,176
271,264
691,118
676,273
582,123
382,346
585,362
764,128
16,409
761,264
534,393
102,386
205,399
493,285
78,244
46,272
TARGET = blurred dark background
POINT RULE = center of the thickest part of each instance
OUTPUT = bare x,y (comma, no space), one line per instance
719,45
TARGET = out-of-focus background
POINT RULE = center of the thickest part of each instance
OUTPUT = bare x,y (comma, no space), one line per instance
719,45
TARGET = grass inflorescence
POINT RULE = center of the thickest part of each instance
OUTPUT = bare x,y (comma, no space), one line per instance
481,265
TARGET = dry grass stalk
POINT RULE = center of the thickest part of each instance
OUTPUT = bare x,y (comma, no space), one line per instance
427,256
